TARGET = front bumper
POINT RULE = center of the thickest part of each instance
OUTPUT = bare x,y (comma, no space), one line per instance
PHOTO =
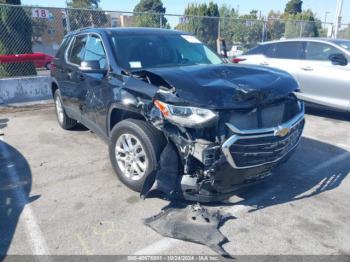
248,156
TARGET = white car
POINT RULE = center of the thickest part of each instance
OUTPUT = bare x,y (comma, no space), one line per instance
321,67
236,50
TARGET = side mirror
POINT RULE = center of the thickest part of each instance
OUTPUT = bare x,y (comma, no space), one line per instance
338,59
92,67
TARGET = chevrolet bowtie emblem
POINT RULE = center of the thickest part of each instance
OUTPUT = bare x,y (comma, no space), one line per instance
282,131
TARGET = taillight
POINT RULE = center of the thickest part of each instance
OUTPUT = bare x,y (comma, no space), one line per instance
237,60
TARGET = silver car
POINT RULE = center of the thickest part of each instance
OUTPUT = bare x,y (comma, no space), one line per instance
321,67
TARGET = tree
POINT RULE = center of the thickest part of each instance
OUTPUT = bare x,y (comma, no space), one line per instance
275,26
293,7
302,25
86,14
202,20
228,19
15,38
150,20
249,29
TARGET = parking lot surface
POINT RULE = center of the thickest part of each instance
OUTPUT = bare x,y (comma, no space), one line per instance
60,196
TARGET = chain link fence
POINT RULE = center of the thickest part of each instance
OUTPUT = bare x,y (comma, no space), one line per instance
31,35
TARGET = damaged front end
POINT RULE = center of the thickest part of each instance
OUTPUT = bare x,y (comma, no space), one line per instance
217,147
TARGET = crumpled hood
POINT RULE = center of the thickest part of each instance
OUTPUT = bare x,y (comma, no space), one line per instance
224,86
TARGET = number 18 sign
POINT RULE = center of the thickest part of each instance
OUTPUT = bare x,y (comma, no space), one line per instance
41,13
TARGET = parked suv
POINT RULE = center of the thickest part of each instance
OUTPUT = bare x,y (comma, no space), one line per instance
320,66
175,117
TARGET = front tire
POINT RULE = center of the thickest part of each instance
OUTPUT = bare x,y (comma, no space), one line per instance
134,151
63,119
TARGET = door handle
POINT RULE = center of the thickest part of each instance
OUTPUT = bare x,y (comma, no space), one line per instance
307,68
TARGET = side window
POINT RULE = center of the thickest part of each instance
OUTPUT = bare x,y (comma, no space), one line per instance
257,50
77,50
270,50
286,50
94,51
319,51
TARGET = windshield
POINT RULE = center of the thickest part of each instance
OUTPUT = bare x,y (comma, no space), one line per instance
141,51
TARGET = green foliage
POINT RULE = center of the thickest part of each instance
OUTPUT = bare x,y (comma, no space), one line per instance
302,25
80,18
150,20
228,23
89,4
245,30
275,26
15,38
293,7
294,23
249,29
206,29
11,2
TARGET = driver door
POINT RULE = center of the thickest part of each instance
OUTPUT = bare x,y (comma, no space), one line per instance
95,86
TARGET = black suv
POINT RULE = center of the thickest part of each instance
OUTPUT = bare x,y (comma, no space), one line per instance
177,119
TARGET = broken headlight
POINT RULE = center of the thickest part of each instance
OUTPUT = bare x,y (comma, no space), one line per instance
186,116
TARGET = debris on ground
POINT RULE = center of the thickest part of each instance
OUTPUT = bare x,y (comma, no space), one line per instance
192,223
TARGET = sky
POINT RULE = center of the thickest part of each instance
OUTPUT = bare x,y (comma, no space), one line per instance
320,7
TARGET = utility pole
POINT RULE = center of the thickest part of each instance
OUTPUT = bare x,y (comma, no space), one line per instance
67,18
337,21
325,17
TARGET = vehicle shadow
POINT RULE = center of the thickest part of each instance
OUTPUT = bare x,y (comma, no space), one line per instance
315,167
324,112
15,187
78,128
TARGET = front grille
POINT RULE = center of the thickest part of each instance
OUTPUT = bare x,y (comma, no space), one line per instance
259,147
250,151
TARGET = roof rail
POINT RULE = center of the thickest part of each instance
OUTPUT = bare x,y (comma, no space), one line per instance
81,29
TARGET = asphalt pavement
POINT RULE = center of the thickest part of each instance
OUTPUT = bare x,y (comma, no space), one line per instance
60,196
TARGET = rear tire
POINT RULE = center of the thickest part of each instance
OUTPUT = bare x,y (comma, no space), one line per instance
63,119
144,139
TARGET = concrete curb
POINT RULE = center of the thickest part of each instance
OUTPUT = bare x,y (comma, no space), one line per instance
27,106
25,89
